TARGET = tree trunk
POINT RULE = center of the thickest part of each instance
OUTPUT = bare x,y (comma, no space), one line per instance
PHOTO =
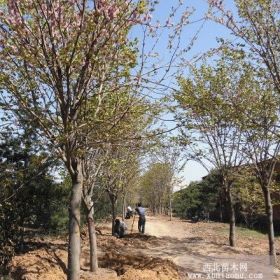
231,215
123,208
269,216
113,215
221,209
170,207
92,241
232,225
74,245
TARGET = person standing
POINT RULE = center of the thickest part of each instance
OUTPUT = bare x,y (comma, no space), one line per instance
142,219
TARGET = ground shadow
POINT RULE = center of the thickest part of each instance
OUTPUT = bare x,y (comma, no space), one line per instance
122,262
29,246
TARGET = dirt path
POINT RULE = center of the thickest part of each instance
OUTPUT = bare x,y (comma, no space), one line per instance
191,246
163,227
175,244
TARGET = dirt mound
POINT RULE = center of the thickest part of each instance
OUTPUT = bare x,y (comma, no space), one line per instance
140,236
122,256
40,264
118,259
102,273
145,274
122,263
140,266
135,240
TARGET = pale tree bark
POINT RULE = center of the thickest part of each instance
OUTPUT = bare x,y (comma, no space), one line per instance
231,220
92,167
113,209
231,209
74,245
123,206
92,239
270,226
170,207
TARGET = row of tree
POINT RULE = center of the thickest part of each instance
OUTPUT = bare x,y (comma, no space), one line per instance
230,111
36,190
65,70
72,71
231,107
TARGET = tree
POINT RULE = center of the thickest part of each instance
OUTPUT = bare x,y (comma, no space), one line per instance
92,166
55,56
257,25
261,134
155,187
207,117
186,201
199,199
170,155
117,173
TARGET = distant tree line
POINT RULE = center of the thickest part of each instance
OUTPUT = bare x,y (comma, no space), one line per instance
205,200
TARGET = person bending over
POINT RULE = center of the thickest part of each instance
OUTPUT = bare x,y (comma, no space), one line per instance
119,228
129,213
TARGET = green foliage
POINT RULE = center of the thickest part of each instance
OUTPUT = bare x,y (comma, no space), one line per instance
58,199
29,197
9,234
155,186
186,201
210,101
102,207
199,198
249,197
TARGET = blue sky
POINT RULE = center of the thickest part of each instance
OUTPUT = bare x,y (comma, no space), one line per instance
205,41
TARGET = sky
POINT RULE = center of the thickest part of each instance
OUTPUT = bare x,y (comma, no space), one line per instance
205,41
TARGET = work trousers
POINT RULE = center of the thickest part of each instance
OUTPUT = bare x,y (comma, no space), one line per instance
141,224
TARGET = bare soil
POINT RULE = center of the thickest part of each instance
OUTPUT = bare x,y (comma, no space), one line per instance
169,250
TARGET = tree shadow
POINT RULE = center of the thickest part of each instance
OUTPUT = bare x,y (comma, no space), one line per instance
29,246
121,262
47,255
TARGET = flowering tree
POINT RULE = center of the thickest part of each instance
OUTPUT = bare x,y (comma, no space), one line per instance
257,25
56,58
123,124
60,61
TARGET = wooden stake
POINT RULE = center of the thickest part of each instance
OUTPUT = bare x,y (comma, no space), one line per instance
132,223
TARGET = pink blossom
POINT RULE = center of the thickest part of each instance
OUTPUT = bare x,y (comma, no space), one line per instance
113,11
147,18
104,33
216,3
